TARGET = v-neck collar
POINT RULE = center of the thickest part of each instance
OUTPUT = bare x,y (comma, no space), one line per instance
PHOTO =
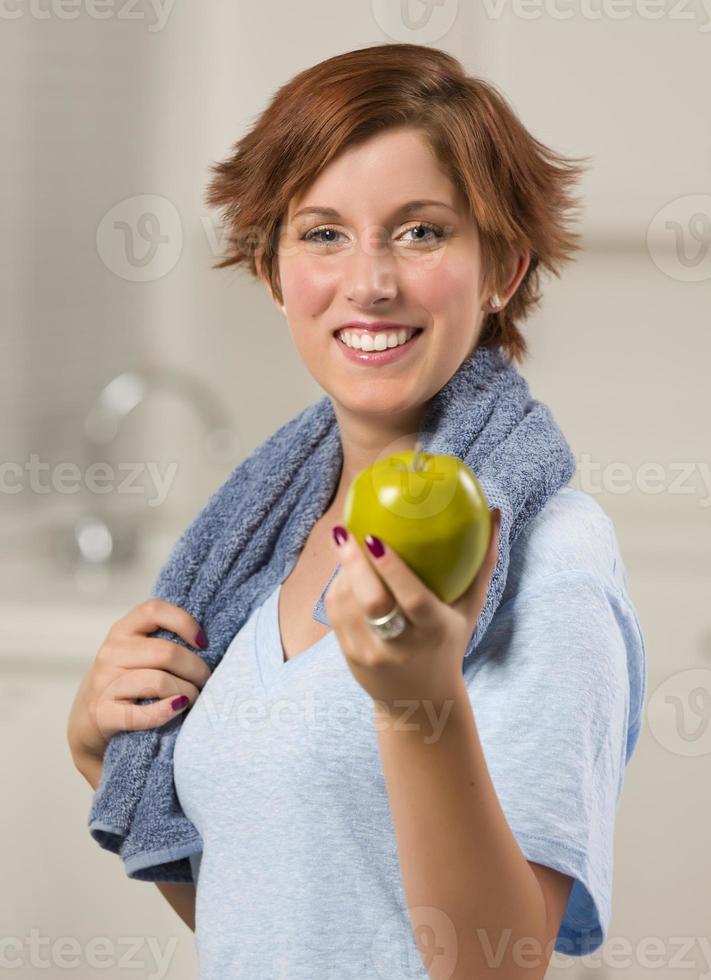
319,610
274,669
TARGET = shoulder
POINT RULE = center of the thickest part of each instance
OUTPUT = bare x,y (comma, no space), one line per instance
571,535
567,605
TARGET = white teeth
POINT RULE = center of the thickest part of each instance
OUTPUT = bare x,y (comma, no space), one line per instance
367,342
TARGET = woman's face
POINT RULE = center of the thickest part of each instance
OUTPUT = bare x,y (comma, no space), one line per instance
374,262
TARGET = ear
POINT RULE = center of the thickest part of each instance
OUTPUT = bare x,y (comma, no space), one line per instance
515,271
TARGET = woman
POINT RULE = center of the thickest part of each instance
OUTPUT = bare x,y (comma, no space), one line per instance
399,214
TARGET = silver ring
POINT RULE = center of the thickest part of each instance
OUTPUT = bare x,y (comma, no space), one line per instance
390,626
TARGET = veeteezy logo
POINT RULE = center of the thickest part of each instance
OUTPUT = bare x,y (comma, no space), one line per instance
595,10
158,11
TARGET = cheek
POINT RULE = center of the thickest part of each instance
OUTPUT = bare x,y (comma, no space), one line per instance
306,285
445,285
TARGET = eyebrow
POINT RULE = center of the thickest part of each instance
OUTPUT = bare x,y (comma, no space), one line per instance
401,210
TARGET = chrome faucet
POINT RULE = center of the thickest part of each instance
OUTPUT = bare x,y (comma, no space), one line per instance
96,537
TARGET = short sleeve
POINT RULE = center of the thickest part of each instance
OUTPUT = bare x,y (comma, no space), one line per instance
556,687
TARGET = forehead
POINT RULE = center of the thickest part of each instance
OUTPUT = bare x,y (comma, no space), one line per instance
378,174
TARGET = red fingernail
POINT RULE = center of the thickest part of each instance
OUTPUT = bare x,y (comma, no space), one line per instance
340,535
178,703
375,546
201,640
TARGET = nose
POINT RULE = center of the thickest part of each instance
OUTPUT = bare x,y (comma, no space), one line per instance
370,274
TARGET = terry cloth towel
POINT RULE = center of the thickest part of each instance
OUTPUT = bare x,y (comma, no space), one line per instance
248,537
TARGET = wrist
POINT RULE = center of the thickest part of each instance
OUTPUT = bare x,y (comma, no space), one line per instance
423,716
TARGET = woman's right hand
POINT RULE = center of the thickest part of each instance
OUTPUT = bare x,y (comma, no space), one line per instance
129,665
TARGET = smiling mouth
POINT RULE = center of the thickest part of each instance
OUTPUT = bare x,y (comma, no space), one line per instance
380,358
376,341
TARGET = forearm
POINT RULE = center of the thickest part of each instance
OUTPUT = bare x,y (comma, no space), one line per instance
181,896
90,767
457,853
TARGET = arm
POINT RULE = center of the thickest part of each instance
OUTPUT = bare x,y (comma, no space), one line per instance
181,895
459,857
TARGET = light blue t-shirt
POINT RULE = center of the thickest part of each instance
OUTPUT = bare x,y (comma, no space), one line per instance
277,765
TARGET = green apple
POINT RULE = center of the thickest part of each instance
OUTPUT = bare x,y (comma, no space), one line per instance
428,508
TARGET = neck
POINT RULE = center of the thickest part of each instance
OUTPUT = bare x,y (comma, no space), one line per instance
366,440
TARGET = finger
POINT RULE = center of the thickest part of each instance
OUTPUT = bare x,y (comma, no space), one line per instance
401,584
346,615
123,716
130,685
153,614
371,594
150,651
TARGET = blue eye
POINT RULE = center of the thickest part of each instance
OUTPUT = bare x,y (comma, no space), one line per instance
437,232
309,236
312,236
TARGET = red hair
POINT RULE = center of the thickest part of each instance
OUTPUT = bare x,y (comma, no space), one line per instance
518,190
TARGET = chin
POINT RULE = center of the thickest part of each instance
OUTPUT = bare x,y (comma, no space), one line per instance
374,402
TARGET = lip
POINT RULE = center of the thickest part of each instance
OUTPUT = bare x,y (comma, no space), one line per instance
377,357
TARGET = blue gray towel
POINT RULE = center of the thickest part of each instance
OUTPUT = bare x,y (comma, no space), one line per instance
248,537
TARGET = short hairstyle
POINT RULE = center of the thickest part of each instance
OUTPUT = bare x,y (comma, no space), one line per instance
518,189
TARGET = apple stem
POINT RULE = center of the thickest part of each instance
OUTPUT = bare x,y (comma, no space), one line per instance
417,461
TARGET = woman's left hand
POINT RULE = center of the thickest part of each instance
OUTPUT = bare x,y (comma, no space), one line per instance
424,663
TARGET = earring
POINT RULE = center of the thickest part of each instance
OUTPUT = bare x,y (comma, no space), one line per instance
496,303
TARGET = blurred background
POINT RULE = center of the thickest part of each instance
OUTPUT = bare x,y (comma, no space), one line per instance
134,378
